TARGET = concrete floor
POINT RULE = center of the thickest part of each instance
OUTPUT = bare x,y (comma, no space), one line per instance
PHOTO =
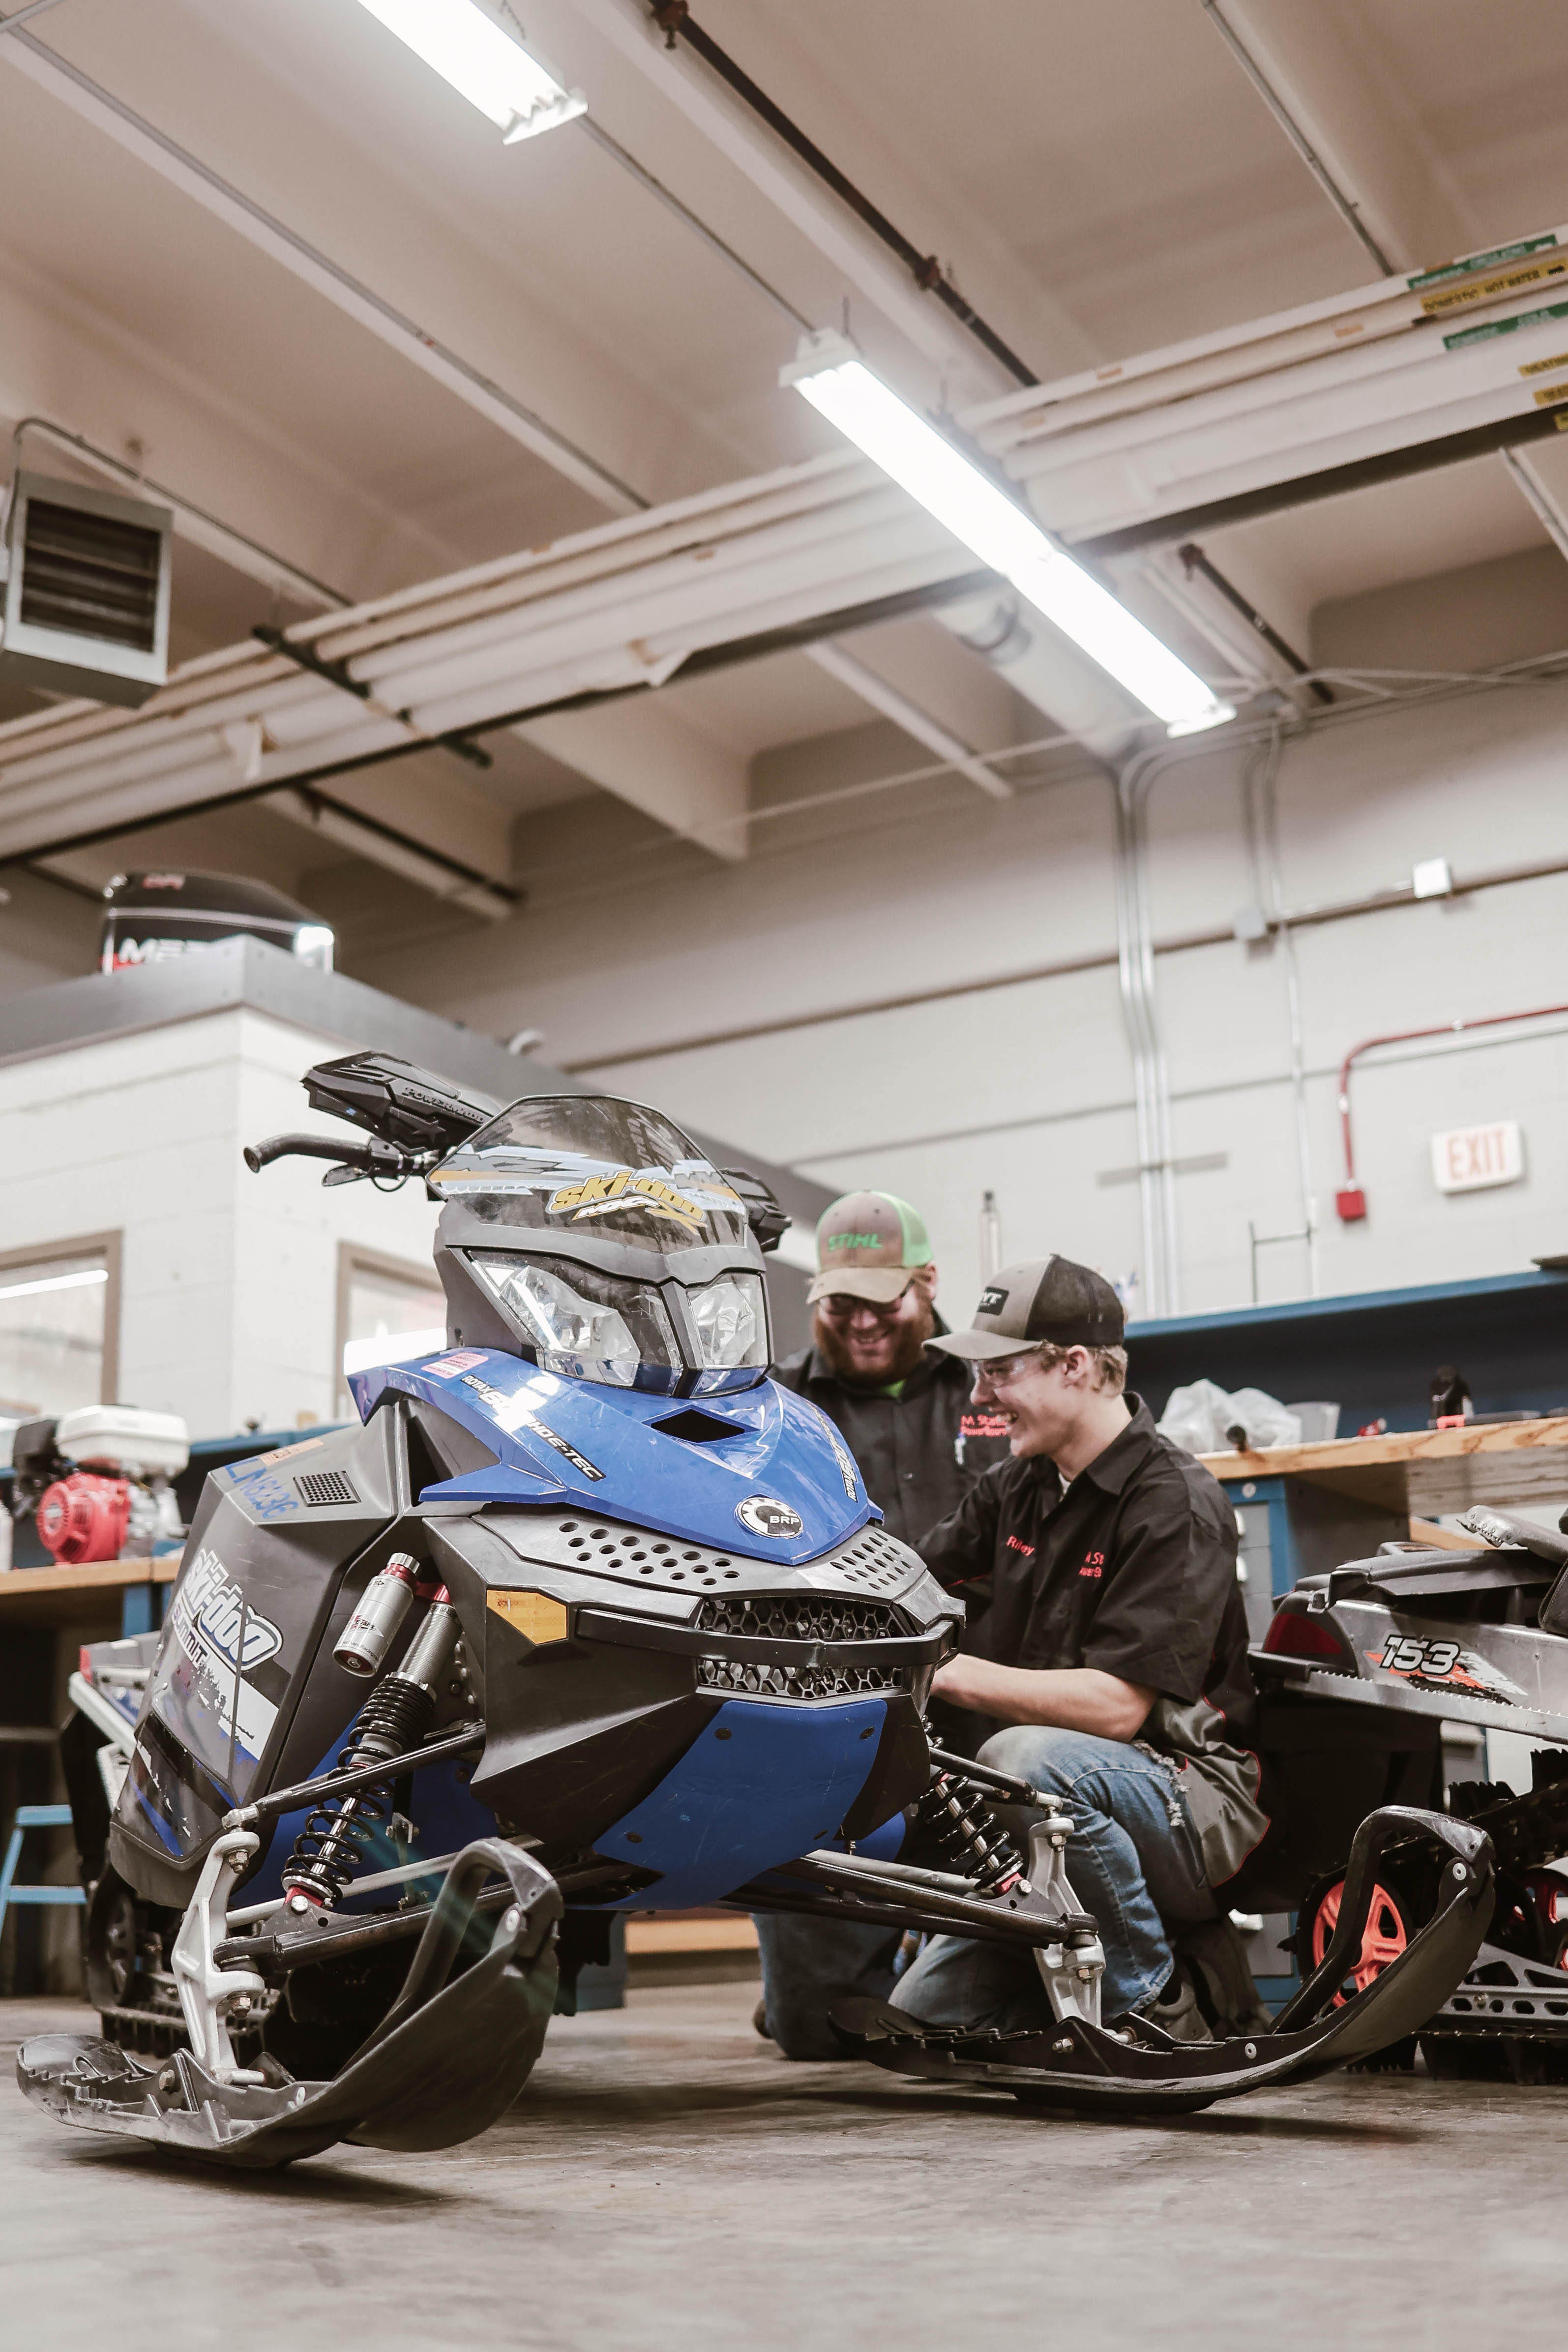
668,2181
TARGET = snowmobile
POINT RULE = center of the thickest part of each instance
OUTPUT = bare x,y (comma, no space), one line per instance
587,1615
1388,1649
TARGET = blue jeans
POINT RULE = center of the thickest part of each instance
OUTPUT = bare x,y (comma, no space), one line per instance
809,1966
1133,1860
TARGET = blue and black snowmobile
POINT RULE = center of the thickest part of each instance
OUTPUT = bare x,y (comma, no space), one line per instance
588,1615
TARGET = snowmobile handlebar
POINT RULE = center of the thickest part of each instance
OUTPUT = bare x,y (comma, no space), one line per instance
367,1159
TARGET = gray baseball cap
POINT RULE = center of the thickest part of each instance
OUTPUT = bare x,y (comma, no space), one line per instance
1043,1299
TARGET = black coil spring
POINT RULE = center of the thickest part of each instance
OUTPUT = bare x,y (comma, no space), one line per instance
955,1814
335,1838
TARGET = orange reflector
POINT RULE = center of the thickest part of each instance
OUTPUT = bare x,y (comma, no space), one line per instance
534,1615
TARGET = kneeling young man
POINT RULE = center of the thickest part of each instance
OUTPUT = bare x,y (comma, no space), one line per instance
1113,1644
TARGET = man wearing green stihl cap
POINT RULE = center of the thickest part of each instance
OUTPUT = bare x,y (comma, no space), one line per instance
920,1445
903,1411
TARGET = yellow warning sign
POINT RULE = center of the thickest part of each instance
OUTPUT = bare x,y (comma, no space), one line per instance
534,1615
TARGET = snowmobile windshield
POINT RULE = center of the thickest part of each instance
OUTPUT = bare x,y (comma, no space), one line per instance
586,1325
590,1163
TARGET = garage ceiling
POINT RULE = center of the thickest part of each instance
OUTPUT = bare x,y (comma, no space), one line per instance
1098,183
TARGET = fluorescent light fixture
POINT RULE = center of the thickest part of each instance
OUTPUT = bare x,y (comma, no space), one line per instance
468,48
829,373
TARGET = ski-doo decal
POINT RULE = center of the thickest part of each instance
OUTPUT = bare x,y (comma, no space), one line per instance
201,1686
1444,1666
628,1188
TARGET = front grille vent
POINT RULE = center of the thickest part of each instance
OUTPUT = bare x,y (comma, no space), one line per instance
323,1487
801,1617
798,1682
875,1562
90,575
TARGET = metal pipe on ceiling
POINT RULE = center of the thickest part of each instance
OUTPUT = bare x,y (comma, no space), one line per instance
307,261
20,15
1548,511
444,877
1345,205
275,571
674,19
1330,482
694,221
1193,559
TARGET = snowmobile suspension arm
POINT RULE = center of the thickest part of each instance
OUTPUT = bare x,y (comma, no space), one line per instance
461,1742
347,1935
885,1893
1001,1784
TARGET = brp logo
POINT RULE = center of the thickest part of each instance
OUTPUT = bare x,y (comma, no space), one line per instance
763,1516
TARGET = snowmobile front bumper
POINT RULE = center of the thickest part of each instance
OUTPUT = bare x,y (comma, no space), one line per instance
1135,2069
446,2062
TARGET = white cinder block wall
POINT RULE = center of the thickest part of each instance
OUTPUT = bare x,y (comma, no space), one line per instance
229,1281
1027,1089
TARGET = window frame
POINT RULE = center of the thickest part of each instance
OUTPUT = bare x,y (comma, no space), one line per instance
109,1246
353,1257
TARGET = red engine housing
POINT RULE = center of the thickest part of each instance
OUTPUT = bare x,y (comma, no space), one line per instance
84,1517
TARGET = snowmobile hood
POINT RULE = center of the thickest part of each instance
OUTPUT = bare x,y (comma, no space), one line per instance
762,1474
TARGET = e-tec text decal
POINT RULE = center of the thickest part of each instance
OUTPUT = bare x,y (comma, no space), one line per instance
517,1416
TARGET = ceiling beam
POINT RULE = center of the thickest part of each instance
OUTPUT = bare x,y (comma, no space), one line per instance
650,757
124,396
444,877
908,714
1349,121
835,234
307,261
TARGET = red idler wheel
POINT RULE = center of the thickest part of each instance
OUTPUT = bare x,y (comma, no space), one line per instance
1385,1936
84,1517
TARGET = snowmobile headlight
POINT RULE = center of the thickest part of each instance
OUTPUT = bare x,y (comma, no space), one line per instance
583,1325
730,1321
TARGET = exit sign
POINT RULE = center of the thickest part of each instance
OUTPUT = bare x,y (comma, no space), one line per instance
1468,1159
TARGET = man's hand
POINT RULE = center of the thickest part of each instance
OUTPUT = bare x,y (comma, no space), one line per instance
1068,1698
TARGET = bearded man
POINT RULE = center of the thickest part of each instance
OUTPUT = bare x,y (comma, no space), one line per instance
904,1411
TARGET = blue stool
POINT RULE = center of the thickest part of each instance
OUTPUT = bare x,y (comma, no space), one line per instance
33,1817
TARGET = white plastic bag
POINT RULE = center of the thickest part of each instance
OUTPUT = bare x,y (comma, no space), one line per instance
1200,1417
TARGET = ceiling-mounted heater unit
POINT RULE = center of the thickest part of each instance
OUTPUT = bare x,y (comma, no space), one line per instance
87,592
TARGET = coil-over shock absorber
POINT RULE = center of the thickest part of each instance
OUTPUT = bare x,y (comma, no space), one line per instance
955,1815
337,1836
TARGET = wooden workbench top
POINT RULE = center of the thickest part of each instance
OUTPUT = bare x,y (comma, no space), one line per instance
1427,1470
86,1594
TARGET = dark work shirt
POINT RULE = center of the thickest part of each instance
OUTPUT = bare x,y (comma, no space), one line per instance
919,1453
1132,1569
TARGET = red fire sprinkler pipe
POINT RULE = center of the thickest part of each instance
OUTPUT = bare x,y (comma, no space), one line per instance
1351,1201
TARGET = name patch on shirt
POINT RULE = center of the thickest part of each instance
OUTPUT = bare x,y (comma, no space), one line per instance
1093,1564
1017,1543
